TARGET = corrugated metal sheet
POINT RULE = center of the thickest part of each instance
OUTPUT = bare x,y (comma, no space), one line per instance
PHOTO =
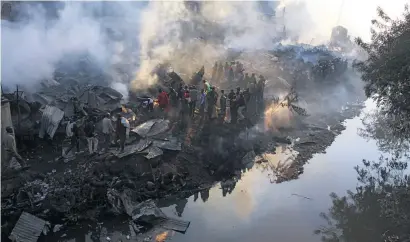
176,225
50,120
28,228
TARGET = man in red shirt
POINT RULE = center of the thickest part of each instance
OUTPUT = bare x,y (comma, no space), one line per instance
163,100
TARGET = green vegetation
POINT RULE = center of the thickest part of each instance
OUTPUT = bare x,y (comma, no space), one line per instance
379,208
386,72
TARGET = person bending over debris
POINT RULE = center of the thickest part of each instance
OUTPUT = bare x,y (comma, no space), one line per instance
73,132
9,144
121,132
90,134
108,129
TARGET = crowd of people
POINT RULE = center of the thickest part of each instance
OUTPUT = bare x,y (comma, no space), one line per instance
213,103
184,103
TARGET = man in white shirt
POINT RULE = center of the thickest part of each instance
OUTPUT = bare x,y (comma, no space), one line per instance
108,130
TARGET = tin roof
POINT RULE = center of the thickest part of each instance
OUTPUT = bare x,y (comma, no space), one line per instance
28,228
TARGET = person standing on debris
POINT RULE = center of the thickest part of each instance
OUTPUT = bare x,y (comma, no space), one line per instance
215,72
253,78
238,91
233,108
207,87
73,132
202,103
252,88
220,72
226,70
210,99
240,105
185,107
90,134
231,74
108,129
247,96
121,132
247,79
163,100
231,95
193,93
222,104
9,144
260,88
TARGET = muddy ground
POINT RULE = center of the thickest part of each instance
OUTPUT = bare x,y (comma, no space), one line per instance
68,192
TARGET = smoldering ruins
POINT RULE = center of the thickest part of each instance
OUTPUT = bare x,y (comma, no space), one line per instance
115,105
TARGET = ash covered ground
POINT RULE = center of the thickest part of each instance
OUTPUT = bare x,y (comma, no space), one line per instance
300,96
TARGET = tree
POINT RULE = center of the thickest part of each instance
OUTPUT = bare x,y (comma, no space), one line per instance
386,72
379,210
377,126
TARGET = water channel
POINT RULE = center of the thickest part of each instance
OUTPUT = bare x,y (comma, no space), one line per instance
259,210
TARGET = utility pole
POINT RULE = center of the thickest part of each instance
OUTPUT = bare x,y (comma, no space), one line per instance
18,109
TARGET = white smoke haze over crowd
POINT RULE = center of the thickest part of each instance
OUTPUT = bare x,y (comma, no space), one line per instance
165,32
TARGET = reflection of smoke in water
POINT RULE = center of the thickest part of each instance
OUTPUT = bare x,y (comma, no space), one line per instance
277,116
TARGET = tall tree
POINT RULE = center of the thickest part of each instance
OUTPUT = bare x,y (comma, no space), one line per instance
386,71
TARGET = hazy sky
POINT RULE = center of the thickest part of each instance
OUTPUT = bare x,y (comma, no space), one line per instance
355,14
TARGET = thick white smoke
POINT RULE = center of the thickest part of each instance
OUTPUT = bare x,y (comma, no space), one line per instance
166,31
31,50
33,47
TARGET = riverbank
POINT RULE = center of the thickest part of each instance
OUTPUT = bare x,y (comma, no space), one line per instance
257,210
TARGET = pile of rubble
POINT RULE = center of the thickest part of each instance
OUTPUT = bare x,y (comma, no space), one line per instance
42,112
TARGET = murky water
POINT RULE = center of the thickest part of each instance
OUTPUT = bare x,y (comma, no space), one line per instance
258,210
255,208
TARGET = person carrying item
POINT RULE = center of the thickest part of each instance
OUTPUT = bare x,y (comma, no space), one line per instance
108,130
121,131
90,134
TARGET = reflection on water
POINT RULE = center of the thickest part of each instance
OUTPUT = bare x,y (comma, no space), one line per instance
278,165
249,207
